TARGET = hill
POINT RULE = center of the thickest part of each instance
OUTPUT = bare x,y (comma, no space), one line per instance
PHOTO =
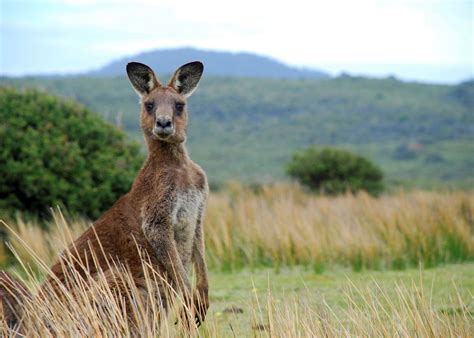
247,129
217,63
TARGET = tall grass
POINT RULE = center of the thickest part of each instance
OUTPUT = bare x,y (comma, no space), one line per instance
106,304
94,309
370,313
283,225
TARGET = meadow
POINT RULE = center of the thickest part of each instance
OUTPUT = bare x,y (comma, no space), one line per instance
286,263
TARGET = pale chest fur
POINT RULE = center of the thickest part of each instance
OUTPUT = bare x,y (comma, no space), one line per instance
187,210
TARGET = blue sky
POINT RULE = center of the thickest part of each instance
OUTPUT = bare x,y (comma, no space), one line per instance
428,40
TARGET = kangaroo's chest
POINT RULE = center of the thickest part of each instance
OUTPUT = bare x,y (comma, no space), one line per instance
186,211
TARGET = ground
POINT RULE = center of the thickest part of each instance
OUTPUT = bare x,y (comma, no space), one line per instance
233,296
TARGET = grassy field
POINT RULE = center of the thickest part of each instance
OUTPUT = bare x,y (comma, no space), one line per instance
285,263
350,301
294,302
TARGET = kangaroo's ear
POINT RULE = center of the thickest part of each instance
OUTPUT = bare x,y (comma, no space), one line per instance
142,78
186,78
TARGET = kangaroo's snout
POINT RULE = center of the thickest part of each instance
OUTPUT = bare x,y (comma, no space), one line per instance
163,126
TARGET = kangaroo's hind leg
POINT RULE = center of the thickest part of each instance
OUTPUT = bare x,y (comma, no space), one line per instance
143,301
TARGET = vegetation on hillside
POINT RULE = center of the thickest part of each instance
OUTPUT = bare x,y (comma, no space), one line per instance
249,128
335,171
56,152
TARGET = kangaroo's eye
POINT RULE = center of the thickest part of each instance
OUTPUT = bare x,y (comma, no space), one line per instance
179,107
149,106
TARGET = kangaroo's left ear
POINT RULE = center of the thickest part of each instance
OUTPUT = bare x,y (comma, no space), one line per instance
186,78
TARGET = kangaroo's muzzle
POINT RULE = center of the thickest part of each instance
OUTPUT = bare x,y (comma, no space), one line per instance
163,127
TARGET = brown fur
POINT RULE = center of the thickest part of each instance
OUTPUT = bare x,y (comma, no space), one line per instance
163,211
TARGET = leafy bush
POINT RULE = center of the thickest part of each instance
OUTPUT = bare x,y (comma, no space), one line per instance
334,171
404,153
56,152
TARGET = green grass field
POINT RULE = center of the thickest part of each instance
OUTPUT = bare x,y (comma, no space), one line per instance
296,302
231,292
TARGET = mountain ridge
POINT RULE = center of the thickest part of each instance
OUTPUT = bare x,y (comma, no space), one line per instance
217,63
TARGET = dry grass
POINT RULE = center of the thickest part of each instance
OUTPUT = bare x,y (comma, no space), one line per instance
45,242
95,310
370,313
283,225
277,225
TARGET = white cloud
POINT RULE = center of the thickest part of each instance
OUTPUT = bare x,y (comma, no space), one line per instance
299,32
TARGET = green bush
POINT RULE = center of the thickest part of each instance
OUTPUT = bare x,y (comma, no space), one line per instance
330,170
56,152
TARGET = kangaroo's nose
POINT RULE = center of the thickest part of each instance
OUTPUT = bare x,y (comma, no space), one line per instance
163,127
163,123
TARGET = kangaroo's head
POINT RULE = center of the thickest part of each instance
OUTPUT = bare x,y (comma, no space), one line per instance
163,114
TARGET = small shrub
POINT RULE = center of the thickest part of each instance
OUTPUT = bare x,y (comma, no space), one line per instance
434,158
56,152
404,153
334,171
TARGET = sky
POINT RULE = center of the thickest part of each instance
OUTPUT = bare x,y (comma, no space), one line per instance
430,41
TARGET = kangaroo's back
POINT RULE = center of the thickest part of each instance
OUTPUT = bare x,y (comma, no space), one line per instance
115,238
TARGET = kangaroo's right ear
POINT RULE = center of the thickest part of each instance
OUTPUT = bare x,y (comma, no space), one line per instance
142,78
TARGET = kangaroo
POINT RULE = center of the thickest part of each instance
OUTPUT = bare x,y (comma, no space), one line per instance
163,212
